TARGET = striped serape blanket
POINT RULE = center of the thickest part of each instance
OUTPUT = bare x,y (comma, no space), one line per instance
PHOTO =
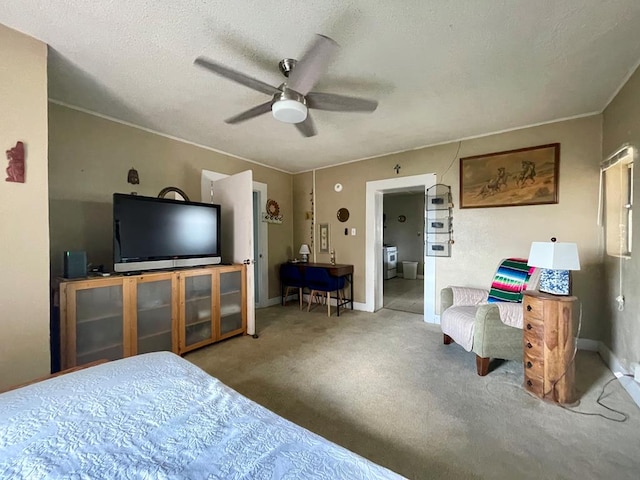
509,281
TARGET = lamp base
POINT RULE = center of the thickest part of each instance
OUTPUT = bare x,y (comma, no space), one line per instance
555,282
305,258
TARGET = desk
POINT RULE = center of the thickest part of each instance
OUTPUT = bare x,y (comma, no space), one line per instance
337,270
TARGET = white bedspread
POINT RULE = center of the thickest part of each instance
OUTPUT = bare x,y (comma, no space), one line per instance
158,416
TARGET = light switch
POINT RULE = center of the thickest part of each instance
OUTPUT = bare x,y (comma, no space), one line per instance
353,231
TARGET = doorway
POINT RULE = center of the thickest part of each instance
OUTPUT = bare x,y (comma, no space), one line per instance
375,190
403,233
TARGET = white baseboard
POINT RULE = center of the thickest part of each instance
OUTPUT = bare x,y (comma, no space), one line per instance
362,307
628,383
276,300
588,344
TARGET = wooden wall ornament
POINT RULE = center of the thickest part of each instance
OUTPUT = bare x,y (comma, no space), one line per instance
272,215
15,170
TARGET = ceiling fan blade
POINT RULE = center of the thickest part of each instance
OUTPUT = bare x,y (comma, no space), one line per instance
236,76
339,103
251,113
307,128
313,63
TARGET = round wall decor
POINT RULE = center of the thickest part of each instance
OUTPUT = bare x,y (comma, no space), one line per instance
273,208
343,215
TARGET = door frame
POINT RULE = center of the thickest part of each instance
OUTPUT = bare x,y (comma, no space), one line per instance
374,242
261,266
262,262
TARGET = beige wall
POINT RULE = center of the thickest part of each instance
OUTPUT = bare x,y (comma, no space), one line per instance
303,212
24,256
621,330
483,236
89,160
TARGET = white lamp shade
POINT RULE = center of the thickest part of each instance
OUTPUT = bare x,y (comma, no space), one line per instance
289,111
304,249
554,256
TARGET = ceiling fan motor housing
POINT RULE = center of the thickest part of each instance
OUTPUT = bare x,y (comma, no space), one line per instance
289,106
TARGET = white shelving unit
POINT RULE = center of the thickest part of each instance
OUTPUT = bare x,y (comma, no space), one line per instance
439,219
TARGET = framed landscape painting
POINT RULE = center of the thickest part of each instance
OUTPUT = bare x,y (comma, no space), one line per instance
527,176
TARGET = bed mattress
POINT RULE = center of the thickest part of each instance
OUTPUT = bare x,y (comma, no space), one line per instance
158,416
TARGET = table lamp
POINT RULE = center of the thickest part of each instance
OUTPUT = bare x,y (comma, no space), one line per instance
304,251
556,259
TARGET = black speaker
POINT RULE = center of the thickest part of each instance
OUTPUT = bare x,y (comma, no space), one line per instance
75,264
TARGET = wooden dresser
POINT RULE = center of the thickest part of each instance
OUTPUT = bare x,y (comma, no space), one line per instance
549,346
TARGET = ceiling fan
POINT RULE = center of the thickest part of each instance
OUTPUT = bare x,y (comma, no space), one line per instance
292,99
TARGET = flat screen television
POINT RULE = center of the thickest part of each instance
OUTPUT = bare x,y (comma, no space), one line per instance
159,233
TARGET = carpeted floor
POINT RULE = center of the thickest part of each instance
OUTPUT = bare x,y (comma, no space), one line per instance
384,386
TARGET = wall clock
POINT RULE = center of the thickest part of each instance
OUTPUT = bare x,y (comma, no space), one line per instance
343,214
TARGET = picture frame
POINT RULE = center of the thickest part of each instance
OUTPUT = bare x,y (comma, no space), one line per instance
526,176
323,237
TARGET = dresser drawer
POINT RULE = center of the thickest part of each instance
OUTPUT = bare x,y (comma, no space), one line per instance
532,307
532,342
533,328
533,362
534,384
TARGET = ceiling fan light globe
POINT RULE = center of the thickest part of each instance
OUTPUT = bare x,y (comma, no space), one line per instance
289,111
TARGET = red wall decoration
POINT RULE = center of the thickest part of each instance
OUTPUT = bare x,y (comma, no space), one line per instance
15,170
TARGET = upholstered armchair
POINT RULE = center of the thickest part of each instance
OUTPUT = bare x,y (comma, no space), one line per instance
489,322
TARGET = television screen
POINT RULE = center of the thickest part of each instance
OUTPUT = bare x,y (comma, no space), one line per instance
153,233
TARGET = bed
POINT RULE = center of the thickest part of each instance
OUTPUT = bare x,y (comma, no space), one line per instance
158,416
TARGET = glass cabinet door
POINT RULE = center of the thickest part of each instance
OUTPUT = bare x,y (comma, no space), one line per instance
154,316
198,301
99,324
230,303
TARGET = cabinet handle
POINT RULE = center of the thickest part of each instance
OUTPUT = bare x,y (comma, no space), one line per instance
529,327
530,383
529,345
528,308
529,364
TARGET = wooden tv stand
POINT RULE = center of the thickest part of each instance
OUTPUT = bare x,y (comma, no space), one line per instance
179,310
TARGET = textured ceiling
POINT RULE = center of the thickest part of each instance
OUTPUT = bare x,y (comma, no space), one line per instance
442,70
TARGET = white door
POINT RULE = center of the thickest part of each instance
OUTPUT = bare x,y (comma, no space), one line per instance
235,195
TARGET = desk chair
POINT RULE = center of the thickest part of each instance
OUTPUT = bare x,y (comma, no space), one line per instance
320,282
291,277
